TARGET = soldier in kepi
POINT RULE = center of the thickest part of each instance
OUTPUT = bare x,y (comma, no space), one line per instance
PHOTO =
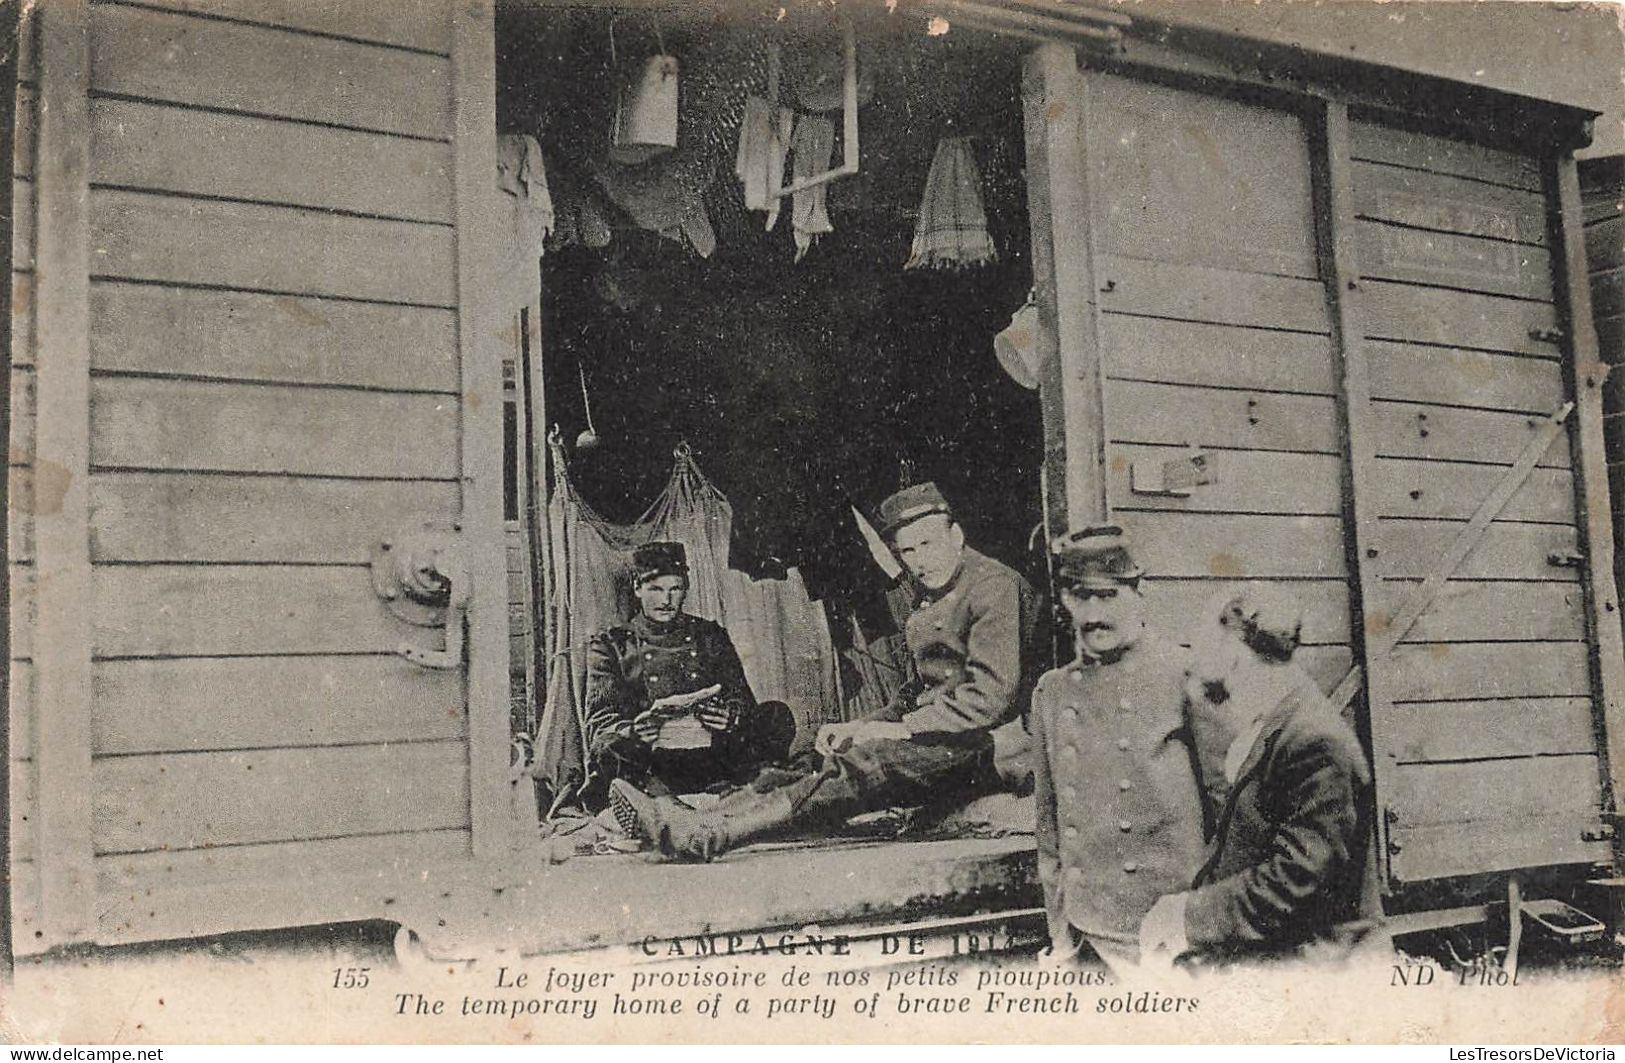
668,705
1285,871
969,640
1120,815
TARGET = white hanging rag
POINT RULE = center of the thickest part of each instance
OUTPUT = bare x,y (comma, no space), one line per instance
814,145
527,215
952,228
764,141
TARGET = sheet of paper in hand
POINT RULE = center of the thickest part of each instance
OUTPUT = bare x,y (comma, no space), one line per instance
682,728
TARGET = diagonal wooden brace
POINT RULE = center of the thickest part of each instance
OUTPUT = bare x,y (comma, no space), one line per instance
1382,641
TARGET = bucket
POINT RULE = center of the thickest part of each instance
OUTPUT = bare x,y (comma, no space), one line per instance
645,111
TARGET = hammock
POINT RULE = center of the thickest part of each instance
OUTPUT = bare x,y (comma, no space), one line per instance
782,635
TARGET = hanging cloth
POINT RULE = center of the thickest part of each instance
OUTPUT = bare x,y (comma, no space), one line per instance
952,228
764,142
525,215
813,144
781,634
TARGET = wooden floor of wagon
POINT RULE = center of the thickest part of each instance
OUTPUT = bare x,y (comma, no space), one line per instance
537,903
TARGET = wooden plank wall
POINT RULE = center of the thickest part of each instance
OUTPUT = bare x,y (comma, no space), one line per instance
275,386
1491,741
1215,333
1603,187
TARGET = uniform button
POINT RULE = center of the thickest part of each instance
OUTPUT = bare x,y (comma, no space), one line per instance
1072,712
1124,825
939,625
1130,866
1123,704
1070,751
1122,743
1074,873
1069,792
1072,832
1123,784
653,678
1077,675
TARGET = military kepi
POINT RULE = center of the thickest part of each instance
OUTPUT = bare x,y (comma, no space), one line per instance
1095,556
909,505
652,560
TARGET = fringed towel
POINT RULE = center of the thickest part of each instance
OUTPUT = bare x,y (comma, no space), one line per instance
952,230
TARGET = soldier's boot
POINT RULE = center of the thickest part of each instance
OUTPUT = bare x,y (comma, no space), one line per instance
626,816
680,831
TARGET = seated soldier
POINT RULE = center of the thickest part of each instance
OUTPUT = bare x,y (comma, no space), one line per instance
668,706
969,636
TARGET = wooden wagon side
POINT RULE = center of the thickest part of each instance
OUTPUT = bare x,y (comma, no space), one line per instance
1353,309
252,340
255,305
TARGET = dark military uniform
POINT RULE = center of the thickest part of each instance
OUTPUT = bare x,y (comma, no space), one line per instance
1287,864
632,666
1119,809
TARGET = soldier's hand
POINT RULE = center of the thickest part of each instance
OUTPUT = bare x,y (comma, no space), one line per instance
837,737
834,737
646,727
718,715
1162,931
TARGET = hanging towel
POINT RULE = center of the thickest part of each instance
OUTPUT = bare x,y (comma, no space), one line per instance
814,144
952,229
782,635
764,141
526,214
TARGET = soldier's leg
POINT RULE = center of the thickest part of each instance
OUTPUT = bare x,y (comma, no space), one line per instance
925,770
864,777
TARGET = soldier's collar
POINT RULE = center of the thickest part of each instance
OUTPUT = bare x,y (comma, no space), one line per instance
1089,660
645,624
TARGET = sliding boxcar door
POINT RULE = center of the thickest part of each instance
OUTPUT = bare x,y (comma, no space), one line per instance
277,354
1483,730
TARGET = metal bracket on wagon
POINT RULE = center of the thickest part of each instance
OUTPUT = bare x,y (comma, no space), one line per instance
422,576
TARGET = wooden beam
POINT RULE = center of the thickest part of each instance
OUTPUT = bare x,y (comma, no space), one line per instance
481,322
1336,218
62,450
1587,371
538,485
16,118
1055,96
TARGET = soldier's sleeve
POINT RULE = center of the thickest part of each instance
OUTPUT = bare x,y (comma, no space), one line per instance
993,660
724,667
1315,847
901,702
611,702
1049,856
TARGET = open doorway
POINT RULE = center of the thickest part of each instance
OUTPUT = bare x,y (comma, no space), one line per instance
800,369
